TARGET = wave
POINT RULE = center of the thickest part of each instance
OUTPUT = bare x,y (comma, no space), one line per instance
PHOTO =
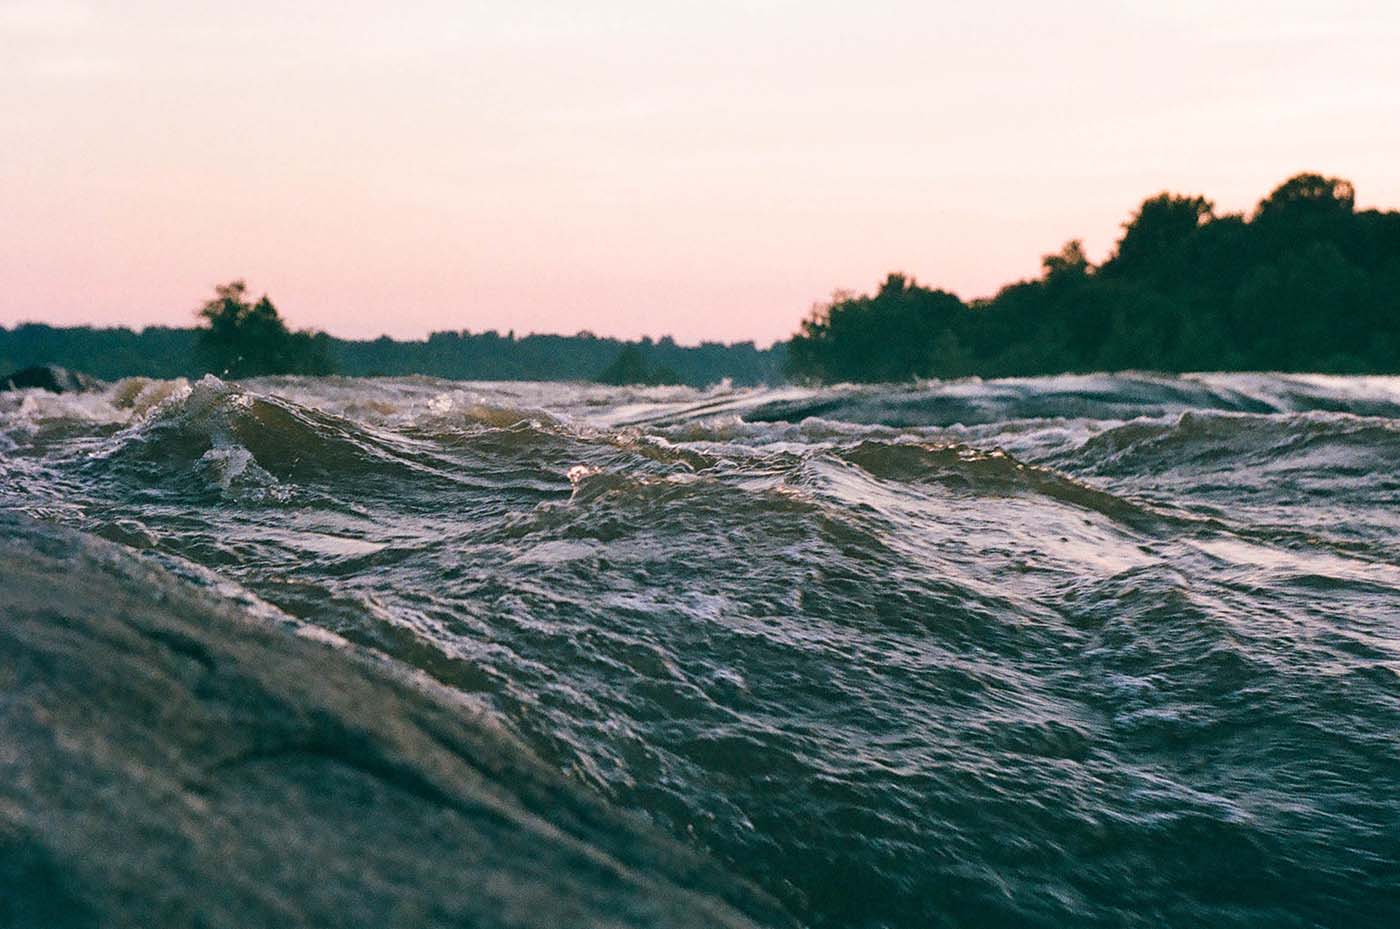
1342,444
226,437
1121,397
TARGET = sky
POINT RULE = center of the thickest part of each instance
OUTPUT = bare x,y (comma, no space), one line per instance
708,170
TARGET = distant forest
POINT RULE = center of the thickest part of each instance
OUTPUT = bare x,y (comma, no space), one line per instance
177,352
1304,283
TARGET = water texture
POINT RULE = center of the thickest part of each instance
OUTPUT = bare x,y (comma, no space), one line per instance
1076,651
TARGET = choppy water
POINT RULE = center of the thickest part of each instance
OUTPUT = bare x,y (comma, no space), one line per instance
1117,651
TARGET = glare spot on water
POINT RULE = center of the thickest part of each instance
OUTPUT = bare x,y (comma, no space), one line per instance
1298,562
579,473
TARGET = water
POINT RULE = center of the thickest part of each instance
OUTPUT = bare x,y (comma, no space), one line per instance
1089,651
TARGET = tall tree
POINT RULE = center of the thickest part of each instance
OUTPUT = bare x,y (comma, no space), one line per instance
244,339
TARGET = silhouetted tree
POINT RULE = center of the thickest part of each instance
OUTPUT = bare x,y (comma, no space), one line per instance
848,338
1069,263
1305,283
1155,239
631,367
1308,193
165,352
244,339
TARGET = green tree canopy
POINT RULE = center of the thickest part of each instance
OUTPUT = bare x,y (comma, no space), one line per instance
1304,284
1157,232
1309,193
631,367
245,339
848,338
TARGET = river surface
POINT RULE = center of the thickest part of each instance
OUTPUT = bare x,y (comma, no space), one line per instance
1075,651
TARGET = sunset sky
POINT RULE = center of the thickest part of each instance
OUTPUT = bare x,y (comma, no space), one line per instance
706,169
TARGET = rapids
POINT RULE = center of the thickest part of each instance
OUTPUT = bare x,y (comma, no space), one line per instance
1109,650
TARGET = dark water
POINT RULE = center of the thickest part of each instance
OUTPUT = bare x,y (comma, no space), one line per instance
1092,651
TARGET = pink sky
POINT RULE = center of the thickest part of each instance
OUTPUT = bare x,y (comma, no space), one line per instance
704,169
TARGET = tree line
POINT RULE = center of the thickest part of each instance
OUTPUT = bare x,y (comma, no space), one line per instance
1305,282
242,337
